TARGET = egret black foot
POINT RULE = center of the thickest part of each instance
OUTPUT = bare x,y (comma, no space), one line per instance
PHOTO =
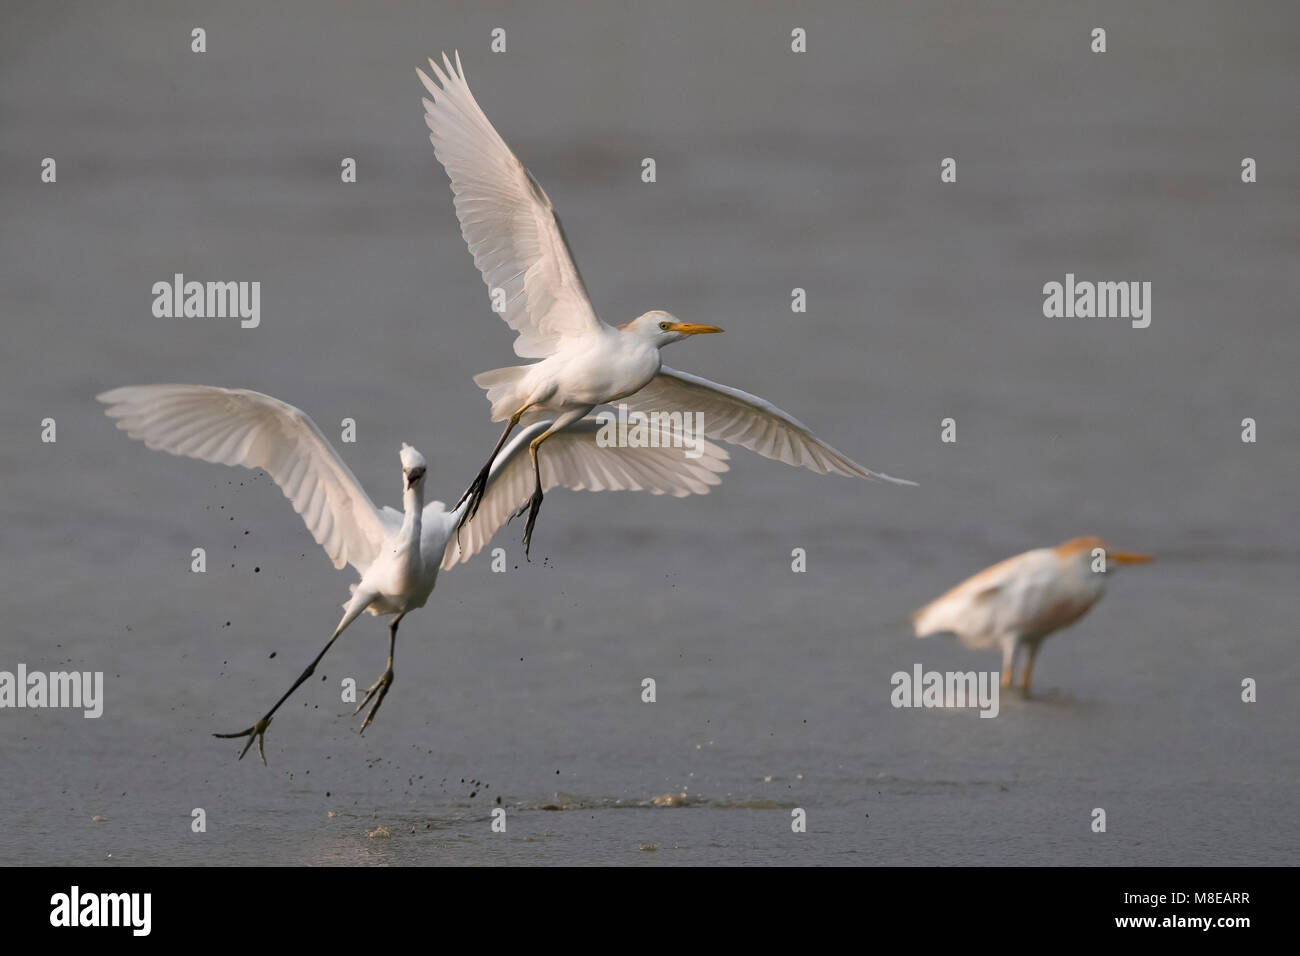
380,688
256,732
534,506
474,495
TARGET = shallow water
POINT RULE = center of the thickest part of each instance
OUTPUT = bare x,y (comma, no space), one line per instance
773,692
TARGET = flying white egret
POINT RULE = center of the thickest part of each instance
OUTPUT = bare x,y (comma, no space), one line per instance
519,246
397,553
1020,601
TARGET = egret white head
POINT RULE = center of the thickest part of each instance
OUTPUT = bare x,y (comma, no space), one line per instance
412,466
661,328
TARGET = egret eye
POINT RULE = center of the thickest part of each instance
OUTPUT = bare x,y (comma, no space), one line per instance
665,326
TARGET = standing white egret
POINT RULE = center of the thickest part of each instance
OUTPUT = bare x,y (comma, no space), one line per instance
1020,601
519,246
397,553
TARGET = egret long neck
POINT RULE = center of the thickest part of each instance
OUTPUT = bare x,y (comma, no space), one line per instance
412,521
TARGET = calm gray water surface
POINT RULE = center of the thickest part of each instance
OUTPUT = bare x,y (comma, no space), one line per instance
775,170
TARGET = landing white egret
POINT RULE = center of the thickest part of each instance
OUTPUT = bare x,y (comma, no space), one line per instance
397,553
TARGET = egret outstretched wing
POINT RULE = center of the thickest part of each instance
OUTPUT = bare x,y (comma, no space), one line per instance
241,427
506,219
743,419
572,458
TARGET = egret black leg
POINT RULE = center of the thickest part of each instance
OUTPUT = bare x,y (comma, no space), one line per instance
258,731
535,502
385,681
474,493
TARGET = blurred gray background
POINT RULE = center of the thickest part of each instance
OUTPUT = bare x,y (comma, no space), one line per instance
775,170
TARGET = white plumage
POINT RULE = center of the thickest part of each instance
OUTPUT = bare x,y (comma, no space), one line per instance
1018,602
396,553
507,220
517,242
239,427
579,464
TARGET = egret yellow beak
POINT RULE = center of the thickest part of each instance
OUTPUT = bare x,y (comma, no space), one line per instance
692,328
1128,557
